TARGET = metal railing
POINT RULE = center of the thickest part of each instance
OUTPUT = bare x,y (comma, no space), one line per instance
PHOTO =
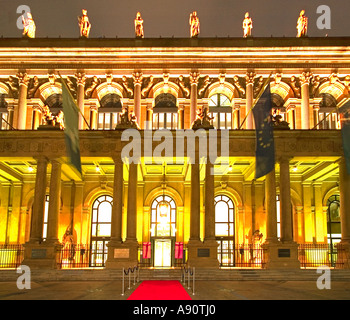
241,255
73,256
128,272
11,255
190,272
313,255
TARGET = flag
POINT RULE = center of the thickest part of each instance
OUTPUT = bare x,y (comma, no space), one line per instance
265,147
71,131
344,112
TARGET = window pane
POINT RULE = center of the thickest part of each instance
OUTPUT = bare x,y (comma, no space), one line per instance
104,230
221,212
105,212
221,229
224,101
213,100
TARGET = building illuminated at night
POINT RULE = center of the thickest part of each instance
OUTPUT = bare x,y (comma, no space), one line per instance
167,211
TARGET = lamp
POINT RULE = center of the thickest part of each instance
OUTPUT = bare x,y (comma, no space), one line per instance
163,205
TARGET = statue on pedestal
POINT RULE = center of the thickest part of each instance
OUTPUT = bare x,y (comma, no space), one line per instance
247,26
194,23
203,120
127,120
139,26
28,26
302,24
84,24
51,121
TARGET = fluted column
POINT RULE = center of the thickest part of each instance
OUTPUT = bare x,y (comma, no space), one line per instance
285,198
194,77
39,200
249,99
305,100
22,100
54,201
271,213
137,96
80,97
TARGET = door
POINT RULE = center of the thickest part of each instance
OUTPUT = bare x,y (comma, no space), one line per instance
162,253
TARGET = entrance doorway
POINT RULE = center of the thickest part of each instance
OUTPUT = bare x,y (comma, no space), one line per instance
162,252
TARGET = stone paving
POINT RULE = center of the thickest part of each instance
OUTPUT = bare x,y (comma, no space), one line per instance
204,290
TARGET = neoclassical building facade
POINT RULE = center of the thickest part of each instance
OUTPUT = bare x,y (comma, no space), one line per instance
165,210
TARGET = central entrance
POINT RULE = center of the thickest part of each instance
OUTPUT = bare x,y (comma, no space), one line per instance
162,253
163,231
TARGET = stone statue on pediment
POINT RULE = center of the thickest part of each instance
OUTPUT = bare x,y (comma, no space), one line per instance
194,23
302,24
84,24
139,26
203,120
29,27
247,26
127,120
278,122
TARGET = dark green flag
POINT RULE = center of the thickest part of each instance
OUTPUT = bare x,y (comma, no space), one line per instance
344,113
71,130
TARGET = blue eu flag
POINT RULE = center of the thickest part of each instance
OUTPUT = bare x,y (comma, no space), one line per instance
71,131
265,147
344,113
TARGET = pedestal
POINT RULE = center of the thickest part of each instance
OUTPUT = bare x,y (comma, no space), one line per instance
122,254
279,255
203,254
41,255
343,255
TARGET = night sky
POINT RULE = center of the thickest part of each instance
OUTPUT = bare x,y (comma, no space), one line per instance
165,18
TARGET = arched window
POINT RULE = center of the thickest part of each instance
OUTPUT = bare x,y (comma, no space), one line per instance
163,217
333,224
225,229
109,111
326,111
165,112
100,230
221,110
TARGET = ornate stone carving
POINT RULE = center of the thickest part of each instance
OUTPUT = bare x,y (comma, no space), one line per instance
23,78
305,78
202,120
294,85
247,25
92,83
137,77
302,24
127,86
127,120
194,77
194,23
250,76
238,85
81,78
139,33
185,90
84,24
204,85
147,88
29,27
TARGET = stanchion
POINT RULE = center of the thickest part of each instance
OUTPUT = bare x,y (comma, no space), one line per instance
123,282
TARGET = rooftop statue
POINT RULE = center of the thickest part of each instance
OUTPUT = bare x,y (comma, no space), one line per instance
194,23
247,25
139,26
203,119
28,26
302,24
84,24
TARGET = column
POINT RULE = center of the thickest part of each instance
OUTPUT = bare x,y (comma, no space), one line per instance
117,208
132,205
195,202
194,77
249,122
80,97
343,247
305,100
271,213
344,187
209,202
286,209
23,80
39,200
54,201
93,112
137,96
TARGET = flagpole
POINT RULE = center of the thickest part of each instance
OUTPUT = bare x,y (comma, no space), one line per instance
257,98
334,110
74,100
12,128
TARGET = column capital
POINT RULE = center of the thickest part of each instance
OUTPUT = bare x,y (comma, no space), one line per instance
284,159
249,77
137,76
194,77
305,77
23,78
81,78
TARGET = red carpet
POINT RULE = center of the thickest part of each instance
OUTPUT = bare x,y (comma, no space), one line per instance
160,290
